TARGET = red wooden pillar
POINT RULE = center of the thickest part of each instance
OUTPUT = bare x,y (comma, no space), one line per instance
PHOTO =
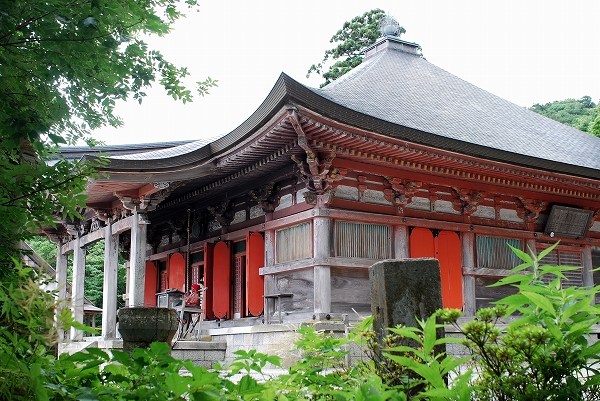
255,283
151,284
208,280
177,272
222,280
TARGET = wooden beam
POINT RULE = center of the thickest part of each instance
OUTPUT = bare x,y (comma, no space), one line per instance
122,225
471,181
92,237
309,263
482,271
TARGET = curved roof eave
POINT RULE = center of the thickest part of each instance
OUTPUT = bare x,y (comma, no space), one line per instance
201,157
287,90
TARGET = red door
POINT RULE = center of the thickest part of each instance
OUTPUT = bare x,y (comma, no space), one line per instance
222,280
445,247
449,255
208,280
422,243
151,284
177,272
255,283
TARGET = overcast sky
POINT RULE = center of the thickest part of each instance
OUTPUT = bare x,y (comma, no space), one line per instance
524,51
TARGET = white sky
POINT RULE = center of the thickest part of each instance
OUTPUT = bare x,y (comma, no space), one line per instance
526,51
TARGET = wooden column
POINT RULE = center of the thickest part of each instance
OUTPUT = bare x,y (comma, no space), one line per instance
322,244
588,275
137,264
468,257
77,289
530,245
109,290
61,280
270,284
401,242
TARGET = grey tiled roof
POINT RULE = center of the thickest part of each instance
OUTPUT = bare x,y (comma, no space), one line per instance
406,90
401,95
167,153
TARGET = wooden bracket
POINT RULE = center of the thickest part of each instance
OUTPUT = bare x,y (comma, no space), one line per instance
468,200
223,212
316,173
267,196
402,191
532,209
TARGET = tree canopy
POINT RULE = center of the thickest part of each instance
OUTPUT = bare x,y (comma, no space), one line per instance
578,113
355,35
63,65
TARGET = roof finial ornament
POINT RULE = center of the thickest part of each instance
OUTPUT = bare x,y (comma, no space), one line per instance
388,26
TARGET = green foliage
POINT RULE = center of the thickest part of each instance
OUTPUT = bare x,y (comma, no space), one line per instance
578,113
63,65
45,248
543,353
33,195
355,35
413,360
27,333
321,373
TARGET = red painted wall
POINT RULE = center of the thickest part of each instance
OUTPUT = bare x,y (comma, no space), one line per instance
255,283
222,280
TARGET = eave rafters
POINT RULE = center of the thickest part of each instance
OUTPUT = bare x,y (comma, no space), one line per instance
272,156
323,136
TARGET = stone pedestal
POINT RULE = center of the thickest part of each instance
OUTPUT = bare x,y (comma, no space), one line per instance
139,326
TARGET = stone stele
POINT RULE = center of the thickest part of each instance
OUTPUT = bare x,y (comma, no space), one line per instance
403,290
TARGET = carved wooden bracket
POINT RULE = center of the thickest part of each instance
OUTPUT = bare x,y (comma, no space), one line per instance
148,197
176,227
316,173
59,238
223,212
154,237
96,224
402,191
267,196
104,215
532,209
164,190
468,200
595,218
362,187
132,203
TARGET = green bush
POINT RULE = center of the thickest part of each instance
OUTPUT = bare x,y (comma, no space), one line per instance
543,351
532,345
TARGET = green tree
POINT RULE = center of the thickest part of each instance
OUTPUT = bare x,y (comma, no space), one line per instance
355,35
45,248
94,269
63,65
578,113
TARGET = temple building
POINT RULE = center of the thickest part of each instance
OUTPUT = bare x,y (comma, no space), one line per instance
281,218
